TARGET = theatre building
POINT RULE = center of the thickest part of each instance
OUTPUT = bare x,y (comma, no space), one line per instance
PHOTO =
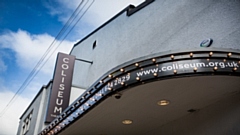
160,68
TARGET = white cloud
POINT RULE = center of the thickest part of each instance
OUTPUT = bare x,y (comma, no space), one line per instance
98,13
9,121
3,67
103,10
27,50
30,48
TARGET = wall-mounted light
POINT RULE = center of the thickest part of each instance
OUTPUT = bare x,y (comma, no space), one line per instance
136,64
122,70
215,68
137,78
172,57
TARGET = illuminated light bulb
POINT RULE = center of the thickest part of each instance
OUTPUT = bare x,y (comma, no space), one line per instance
211,53
122,83
136,64
174,71
155,74
224,60
109,88
229,54
172,56
122,70
191,54
234,69
93,99
195,69
127,122
137,78
110,76
163,102
154,60
215,68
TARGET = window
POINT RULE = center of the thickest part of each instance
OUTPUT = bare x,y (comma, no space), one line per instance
26,124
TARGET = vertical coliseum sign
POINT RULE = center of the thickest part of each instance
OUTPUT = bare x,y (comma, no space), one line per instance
62,81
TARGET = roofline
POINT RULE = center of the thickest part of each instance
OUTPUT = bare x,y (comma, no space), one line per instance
131,9
42,88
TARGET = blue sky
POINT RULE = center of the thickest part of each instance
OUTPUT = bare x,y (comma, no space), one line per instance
27,28
31,15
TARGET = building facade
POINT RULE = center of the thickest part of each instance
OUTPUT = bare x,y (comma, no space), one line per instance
163,67
32,122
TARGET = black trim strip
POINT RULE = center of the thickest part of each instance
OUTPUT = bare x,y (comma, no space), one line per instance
142,5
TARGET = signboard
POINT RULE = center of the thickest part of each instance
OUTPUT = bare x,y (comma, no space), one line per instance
168,69
62,81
